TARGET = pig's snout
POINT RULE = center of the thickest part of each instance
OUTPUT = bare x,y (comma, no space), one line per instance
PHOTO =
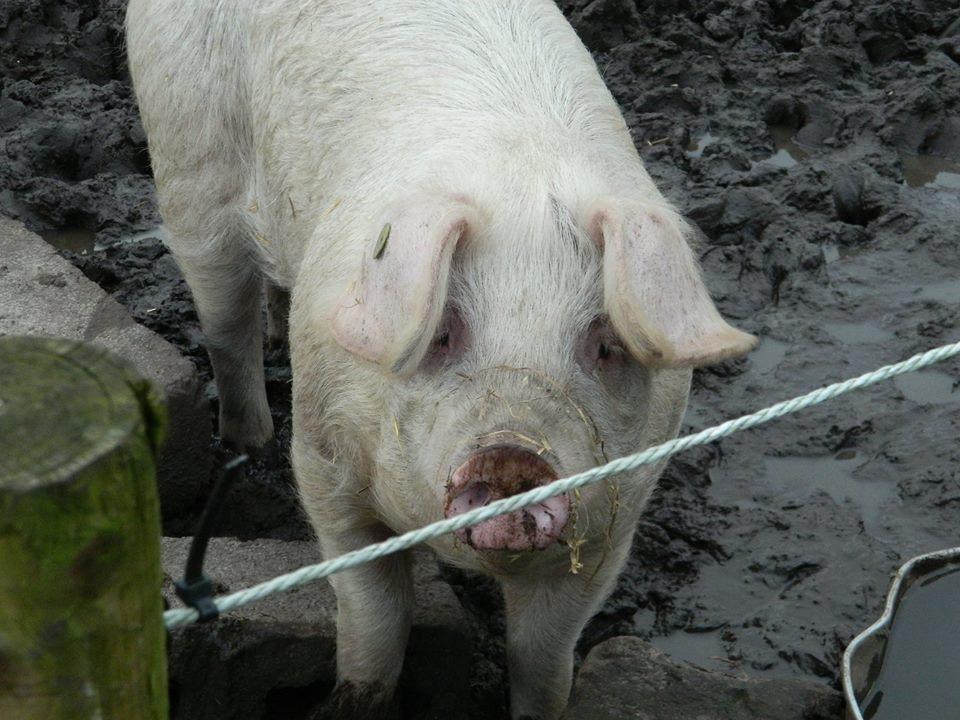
498,472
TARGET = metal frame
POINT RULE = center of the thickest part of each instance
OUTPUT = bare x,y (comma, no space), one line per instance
897,588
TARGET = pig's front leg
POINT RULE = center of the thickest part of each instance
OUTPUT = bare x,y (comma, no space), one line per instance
226,288
374,610
544,619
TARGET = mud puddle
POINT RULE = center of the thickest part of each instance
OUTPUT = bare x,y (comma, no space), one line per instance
945,291
794,479
788,153
768,355
83,242
158,234
929,387
854,332
790,482
73,240
930,171
704,650
697,145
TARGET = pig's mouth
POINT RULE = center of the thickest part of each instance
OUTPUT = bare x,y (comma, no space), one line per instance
501,471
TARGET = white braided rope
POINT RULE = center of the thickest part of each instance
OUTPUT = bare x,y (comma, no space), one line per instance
309,573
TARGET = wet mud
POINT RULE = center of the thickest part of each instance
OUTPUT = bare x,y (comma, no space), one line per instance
816,146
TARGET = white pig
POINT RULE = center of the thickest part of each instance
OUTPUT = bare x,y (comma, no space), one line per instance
488,291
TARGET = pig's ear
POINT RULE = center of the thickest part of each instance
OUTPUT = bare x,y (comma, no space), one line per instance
653,291
389,313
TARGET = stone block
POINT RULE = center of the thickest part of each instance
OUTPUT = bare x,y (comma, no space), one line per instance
41,293
276,658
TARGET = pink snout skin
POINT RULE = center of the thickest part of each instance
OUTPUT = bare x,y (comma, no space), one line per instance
498,472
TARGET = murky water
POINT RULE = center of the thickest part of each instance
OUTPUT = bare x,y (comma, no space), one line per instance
768,355
788,153
701,649
930,171
918,679
698,145
792,482
76,240
831,252
83,241
794,479
946,291
858,333
929,387
158,233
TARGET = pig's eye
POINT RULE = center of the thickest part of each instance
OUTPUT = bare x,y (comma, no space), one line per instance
600,347
448,343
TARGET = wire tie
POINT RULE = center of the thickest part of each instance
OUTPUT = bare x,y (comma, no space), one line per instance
195,588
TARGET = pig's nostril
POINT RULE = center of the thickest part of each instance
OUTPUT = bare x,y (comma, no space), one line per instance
477,495
499,472
542,516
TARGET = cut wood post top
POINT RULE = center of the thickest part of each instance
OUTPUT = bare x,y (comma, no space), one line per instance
81,614
63,404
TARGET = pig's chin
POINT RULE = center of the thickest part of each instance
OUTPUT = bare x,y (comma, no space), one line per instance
499,472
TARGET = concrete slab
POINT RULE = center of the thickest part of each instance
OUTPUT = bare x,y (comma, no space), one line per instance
276,658
43,294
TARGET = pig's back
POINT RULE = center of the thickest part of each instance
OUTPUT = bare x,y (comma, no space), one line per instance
375,77
320,110
188,62
354,100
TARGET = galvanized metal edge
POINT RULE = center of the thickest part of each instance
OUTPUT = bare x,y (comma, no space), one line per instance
893,599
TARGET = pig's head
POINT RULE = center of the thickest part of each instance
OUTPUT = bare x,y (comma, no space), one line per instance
519,349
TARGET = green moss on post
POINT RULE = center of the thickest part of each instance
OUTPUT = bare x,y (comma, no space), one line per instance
81,616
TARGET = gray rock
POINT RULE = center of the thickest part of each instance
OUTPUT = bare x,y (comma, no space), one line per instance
43,294
624,678
276,658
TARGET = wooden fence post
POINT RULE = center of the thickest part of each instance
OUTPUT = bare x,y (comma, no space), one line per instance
81,615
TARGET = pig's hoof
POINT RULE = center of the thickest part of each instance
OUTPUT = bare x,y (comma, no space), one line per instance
350,701
246,435
265,449
267,454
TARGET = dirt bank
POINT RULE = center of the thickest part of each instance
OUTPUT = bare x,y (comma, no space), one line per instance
815,144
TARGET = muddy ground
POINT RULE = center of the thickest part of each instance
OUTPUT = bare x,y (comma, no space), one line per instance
816,144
